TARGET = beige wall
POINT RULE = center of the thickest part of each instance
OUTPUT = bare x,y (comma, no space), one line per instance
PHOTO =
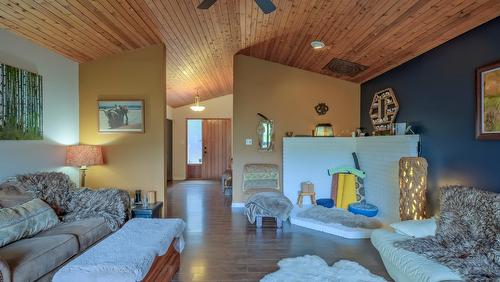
170,112
132,161
286,95
220,107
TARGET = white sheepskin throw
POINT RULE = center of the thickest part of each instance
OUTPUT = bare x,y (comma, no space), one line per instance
315,269
126,255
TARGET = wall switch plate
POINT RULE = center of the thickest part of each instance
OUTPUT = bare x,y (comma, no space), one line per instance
248,142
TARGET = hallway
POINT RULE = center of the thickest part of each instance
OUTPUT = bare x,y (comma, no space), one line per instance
222,246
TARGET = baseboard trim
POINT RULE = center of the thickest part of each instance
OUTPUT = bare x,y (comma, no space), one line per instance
237,205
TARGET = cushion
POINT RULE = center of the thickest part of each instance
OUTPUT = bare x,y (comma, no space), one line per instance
363,208
250,192
53,187
467,236
327,203
12,195
259,176
404,265
416,228
25,220
30,259
87,231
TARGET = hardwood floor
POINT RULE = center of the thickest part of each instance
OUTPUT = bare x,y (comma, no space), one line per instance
222,246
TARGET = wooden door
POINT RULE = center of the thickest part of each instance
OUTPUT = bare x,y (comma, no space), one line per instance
216,147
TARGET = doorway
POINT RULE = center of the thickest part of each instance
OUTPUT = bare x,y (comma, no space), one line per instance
169,150
208,148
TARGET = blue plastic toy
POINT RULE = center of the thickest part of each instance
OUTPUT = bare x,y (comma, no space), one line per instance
327,203
365,209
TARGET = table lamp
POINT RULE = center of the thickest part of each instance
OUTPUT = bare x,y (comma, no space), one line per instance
413,187
323,130
83,156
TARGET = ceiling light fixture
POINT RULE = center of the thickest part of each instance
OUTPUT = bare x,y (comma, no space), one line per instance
197,107
317,44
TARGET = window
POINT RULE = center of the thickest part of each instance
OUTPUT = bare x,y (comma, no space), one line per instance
194,140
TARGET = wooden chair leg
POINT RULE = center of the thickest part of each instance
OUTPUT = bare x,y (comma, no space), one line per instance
299,201
258,221
313,200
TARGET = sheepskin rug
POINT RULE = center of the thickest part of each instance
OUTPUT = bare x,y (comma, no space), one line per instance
329,216
315,269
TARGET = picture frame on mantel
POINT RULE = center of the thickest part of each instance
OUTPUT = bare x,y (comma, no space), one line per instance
488,102
121,116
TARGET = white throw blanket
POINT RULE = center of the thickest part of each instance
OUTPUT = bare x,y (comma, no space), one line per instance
126,255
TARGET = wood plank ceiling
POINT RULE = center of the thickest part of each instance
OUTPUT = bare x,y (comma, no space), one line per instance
201,43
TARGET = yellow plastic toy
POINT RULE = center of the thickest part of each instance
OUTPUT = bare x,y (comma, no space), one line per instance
346,192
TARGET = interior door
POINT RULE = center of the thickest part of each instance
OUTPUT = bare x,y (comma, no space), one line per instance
216,147
169,133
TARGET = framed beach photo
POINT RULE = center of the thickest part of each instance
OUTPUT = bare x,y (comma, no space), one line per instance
121,116
488,102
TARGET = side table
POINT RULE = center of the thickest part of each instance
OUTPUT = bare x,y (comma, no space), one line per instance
150,211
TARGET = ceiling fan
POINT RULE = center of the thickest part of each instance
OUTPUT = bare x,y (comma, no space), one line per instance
267,6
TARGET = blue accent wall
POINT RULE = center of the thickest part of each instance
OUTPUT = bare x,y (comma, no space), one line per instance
436,93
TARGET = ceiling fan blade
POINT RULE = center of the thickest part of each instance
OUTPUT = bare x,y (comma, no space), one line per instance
205,4
267,6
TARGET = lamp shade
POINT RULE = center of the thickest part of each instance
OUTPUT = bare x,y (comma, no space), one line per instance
413,187
83,155
323,130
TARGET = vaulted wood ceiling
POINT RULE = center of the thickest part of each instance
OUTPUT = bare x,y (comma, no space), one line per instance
201,44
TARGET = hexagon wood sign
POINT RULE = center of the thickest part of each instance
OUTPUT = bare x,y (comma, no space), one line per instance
383,111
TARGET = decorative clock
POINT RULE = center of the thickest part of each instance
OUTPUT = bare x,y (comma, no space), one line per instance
383,111
321,108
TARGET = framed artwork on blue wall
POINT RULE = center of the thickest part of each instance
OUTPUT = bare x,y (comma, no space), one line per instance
488,102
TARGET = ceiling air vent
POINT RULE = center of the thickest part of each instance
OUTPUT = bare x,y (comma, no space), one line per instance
344,67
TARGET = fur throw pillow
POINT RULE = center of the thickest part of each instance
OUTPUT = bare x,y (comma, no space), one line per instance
469,221
52,187
72,203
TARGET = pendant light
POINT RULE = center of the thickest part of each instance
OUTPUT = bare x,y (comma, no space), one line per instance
197,107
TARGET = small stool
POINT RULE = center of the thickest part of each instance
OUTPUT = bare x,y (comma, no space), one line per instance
310,194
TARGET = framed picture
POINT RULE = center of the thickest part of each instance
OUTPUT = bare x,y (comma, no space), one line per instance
21,104
121,116
488,102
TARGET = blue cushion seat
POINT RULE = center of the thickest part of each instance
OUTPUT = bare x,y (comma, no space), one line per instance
365,209
327,203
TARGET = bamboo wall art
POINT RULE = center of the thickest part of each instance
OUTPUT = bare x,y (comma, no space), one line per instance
21,104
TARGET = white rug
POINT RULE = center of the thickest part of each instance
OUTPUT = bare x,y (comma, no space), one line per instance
315,269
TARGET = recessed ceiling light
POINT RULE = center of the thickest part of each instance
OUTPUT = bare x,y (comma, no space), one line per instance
317,44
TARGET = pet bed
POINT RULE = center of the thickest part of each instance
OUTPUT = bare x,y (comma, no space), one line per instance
335,221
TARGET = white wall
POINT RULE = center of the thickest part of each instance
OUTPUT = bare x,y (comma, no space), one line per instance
60,109
220,107
308,159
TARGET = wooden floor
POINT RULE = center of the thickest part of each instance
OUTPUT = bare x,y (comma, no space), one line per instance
222,246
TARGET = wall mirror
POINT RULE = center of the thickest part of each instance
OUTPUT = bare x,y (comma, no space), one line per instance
265,132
